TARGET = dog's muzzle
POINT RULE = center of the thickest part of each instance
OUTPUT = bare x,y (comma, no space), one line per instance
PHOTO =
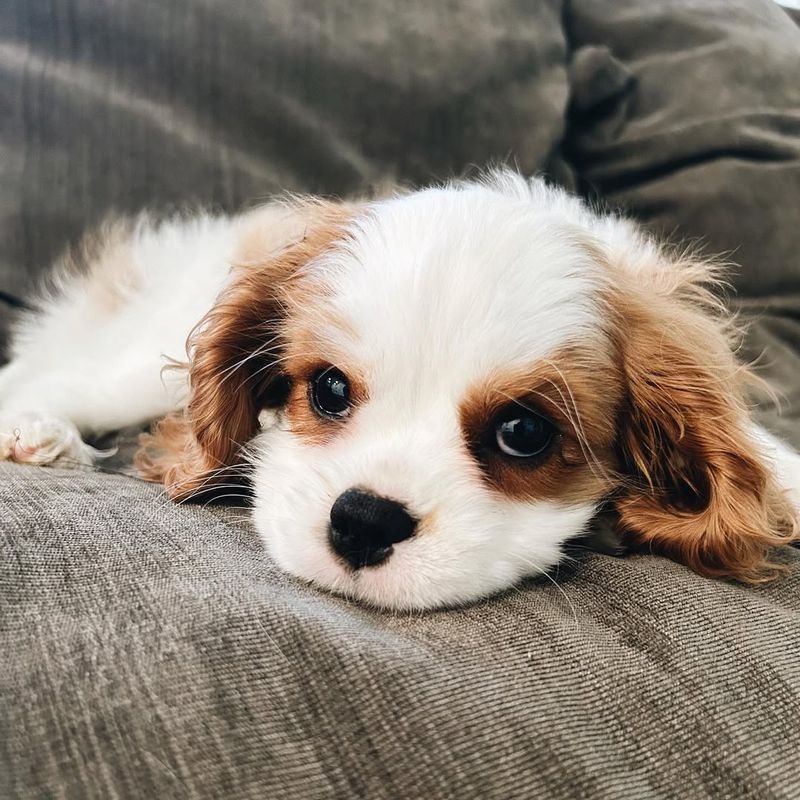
364,527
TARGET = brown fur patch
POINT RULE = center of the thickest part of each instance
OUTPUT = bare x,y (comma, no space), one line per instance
579,390
235,352
303,418
168,445
697,489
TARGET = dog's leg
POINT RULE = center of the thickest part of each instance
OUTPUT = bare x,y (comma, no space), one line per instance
91,359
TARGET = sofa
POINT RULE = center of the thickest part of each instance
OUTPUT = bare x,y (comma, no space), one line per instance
153,650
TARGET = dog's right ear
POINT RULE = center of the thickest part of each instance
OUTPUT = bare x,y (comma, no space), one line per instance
697,485
234,351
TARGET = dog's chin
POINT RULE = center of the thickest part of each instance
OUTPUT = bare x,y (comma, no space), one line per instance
398,584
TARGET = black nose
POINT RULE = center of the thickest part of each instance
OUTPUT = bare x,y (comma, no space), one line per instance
364,527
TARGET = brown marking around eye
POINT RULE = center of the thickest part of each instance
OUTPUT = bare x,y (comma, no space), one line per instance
579,390
195,449
303,418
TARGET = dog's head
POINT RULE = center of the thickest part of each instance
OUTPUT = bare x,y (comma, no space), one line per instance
436,391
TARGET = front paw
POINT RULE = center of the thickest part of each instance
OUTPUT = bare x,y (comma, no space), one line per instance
35,438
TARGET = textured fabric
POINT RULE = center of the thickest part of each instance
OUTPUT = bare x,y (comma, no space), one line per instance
146,103
152,650
687,115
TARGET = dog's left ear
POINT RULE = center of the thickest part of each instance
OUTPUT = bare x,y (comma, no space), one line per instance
696,486
235,353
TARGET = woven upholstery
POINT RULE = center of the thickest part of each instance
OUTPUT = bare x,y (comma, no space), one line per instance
154,651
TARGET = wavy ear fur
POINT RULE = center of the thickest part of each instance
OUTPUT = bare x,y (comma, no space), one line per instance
233,354
696,485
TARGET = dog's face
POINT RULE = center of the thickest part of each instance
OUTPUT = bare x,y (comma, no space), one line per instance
437,391
425,454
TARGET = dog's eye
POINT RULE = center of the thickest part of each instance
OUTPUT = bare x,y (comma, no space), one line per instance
523,433
330,393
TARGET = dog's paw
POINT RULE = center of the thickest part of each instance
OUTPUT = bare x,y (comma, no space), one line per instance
42,439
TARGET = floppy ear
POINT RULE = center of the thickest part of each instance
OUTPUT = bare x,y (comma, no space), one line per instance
696,487
234,354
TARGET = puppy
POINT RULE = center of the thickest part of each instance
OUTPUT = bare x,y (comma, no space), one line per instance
431,393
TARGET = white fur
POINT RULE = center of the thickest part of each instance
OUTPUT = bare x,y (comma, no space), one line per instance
440,288
102,371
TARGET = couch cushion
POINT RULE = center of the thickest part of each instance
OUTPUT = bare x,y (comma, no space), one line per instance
153,650
687,115
151,104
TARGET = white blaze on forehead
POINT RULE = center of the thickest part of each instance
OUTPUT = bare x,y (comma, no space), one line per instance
444,286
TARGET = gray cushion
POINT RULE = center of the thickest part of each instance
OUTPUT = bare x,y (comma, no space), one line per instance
118,108
687,115
153,650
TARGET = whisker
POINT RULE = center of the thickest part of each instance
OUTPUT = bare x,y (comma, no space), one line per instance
207,480
206,489
580,429
555,583
217,498
591,459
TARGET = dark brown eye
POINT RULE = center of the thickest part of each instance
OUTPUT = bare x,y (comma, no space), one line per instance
522,433
329,391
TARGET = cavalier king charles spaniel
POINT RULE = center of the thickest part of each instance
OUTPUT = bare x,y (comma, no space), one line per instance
431,393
